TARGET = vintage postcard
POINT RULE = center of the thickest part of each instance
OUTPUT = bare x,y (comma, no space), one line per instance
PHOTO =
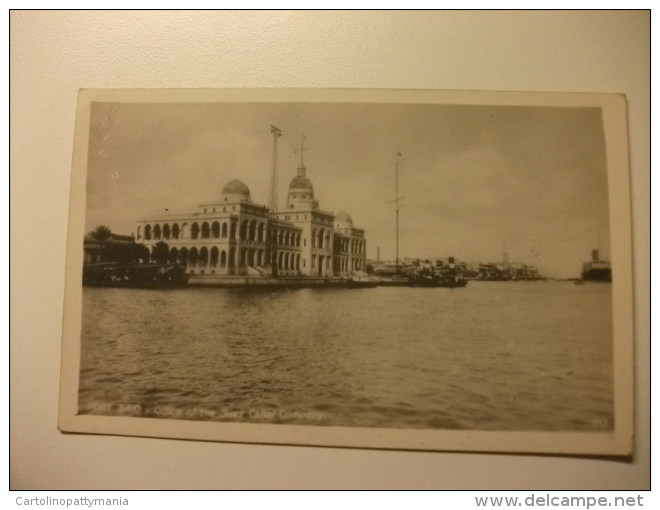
357,268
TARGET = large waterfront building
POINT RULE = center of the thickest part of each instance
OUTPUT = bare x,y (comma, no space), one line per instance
235,236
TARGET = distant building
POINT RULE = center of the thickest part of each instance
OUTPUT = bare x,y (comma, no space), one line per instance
230,236
117,248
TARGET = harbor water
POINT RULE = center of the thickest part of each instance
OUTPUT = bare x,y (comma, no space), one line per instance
490,356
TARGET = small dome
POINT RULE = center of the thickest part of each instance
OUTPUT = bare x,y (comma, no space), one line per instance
343,217
236,187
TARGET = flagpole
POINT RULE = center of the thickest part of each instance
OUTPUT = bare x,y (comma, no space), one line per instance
397,198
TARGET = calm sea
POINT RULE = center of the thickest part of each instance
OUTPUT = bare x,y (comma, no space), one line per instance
490,356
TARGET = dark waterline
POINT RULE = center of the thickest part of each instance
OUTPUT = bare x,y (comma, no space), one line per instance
491,356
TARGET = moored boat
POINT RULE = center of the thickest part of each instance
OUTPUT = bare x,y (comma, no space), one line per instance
450,281
360,280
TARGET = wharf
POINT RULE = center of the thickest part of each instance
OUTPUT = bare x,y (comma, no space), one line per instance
298,282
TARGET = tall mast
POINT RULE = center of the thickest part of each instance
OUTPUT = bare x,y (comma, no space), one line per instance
302,151
397,198
273,203
396,203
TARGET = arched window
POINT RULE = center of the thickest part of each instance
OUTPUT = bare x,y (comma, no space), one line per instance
139,231
214,256
185,231
253,230
244,230
320,238
215,230
166,231
194,231
232,236
223,258
183,255
224,230
206,230
157,232
193,257
175,231
174,255
204,256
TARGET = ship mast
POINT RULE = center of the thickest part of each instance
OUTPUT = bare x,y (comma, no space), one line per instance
273,203
396,201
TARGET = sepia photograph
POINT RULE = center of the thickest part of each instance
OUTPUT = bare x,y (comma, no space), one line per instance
417,270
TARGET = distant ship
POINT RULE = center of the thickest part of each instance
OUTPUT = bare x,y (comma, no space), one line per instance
596,270
430,277
449,282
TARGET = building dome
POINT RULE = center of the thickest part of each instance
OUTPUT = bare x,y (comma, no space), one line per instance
301,181
343,219
236,187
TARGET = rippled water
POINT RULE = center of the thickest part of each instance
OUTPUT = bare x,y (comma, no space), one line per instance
491,356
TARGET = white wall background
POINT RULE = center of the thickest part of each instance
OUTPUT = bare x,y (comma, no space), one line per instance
53,54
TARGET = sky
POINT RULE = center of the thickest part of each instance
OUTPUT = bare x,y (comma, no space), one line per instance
472,177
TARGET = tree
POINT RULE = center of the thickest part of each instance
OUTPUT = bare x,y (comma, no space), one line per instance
101,235
141,253
160,253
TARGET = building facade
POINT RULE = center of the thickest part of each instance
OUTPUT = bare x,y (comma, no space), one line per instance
235,236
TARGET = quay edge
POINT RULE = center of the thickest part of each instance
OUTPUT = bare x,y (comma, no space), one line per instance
209,280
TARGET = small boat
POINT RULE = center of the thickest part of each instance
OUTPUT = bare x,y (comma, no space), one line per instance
361,280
